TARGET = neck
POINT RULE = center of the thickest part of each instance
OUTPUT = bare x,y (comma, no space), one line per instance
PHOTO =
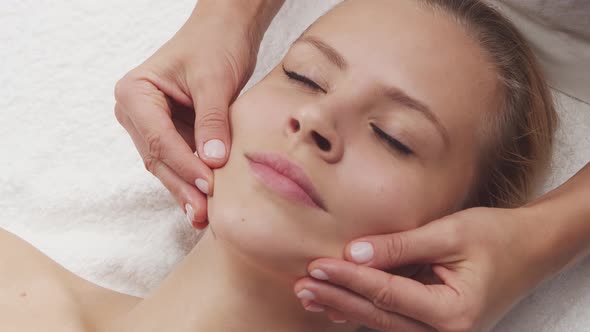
216,289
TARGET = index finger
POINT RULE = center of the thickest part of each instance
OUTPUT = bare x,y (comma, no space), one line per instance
435,242
148,110
425,303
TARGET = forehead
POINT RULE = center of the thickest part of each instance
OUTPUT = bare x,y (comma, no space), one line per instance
422,51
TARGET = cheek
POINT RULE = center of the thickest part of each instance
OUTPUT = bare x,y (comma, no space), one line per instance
261,112
251,119
381,210
265,231
259,225
387,195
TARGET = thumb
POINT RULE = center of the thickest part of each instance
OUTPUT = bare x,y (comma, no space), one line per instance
212,133
433,243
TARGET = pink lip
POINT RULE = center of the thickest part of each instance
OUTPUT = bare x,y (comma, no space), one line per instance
284,177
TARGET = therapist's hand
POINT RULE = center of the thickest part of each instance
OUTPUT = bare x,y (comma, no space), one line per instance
484,261
197,74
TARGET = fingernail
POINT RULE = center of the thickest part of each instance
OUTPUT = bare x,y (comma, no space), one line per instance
339,321
190,213
305,294
202,185
361,252
315,308
197,154
214,149
319,274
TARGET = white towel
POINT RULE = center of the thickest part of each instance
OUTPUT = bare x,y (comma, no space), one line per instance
559,32
72,184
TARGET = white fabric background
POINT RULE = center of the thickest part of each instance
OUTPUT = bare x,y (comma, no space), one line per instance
72,184
559,31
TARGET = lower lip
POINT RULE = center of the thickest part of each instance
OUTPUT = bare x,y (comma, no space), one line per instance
281,184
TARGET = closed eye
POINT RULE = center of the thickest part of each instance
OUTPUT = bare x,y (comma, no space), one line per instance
300,79
392,142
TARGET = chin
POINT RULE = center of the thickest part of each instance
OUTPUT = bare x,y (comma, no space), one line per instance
268,231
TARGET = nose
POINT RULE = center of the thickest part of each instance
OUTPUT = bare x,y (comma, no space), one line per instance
318,129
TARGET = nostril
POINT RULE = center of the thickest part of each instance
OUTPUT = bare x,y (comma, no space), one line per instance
322,143
295,126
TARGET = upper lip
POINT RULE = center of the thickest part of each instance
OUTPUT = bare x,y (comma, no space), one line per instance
289,170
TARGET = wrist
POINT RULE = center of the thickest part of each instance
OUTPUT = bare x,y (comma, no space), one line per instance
249,17
560,221
542,242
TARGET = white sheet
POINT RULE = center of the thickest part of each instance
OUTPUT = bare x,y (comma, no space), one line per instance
72,184
559,32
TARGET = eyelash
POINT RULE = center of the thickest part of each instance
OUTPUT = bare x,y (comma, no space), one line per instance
392,142
303,80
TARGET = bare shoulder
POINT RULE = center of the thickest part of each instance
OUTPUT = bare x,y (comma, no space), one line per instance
18,257
21,263
34,285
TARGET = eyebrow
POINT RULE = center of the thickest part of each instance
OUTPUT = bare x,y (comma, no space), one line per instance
404,99
394,94
329,52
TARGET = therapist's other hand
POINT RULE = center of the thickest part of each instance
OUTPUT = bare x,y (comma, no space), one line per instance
483,261
195,75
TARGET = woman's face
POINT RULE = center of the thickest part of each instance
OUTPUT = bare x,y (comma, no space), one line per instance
381,105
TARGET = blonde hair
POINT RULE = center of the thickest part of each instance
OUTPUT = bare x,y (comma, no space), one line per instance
521,134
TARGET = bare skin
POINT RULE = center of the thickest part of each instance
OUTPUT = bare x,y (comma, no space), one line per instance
33,285
563,239
61,299
374,139
159,101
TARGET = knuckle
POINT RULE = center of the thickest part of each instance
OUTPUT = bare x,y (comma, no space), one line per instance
150,164
396,248
381,321
137,83
384,298
212,118
120,115
122,88
154,144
